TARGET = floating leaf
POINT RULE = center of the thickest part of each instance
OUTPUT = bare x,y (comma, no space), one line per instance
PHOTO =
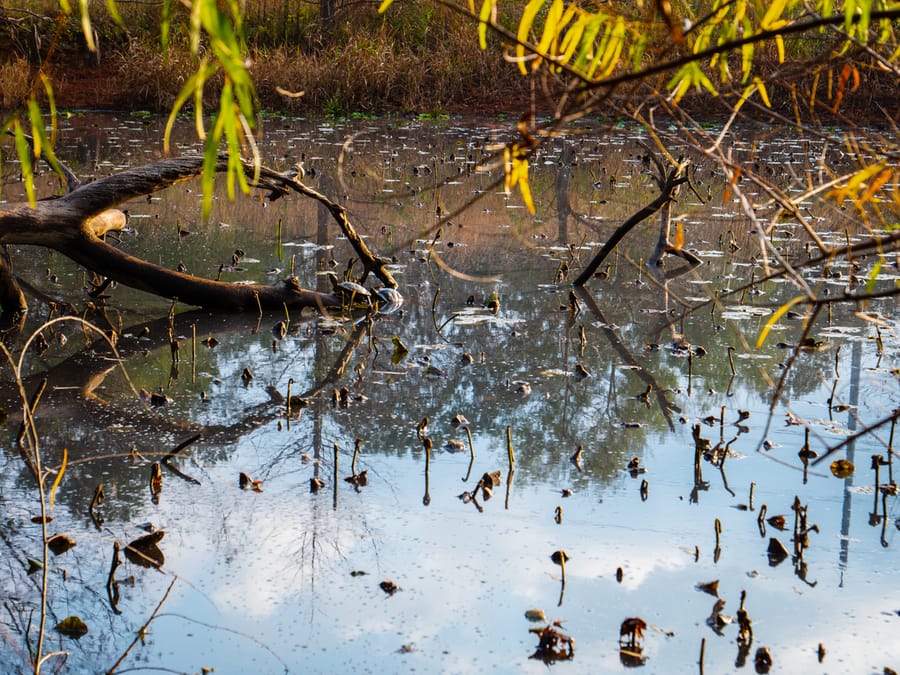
842,468
145,552
400,350
711,587
577,458
778,522
777,552
360,479
455,445
536,615
60,543
72,627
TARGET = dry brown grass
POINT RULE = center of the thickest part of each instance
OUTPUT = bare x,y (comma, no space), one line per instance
417,58
15,83
149,78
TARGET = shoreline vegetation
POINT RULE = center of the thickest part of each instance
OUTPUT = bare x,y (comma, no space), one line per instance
418,59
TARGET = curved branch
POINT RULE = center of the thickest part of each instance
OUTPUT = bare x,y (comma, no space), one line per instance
668,187
99,256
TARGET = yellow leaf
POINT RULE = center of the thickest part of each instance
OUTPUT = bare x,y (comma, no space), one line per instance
762,92
382,8
551,30
682,88
748,91
679,236
483,18
571,40
59,475
876,184
524,188
776,9
525,23
855,183
86,27
774,319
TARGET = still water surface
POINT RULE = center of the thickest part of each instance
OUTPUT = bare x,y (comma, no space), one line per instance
287,579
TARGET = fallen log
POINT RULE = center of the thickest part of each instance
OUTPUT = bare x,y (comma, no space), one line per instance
74,224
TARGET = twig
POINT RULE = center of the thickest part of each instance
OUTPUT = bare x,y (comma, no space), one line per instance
112,586
165,460
143,629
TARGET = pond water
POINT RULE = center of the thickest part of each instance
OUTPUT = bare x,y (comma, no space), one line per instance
291,579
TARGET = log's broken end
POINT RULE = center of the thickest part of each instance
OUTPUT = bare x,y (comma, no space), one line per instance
111,220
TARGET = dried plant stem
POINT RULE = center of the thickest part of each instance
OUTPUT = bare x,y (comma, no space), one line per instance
143,630
34,459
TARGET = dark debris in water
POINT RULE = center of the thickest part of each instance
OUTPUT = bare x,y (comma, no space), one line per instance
553,644
245,482
145,552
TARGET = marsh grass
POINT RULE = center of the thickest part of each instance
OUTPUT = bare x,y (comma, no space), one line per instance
416,58
15,82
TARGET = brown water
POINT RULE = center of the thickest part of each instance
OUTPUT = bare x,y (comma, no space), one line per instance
271,580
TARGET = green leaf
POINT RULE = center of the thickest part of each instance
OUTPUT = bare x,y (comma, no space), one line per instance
165,24
72,627
114,12
24,152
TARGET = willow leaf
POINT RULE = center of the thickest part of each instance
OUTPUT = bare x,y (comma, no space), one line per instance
484,17
86,27
58,479
551,31
25,161
780,312
525,24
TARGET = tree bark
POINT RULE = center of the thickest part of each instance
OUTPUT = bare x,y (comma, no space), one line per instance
74,224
